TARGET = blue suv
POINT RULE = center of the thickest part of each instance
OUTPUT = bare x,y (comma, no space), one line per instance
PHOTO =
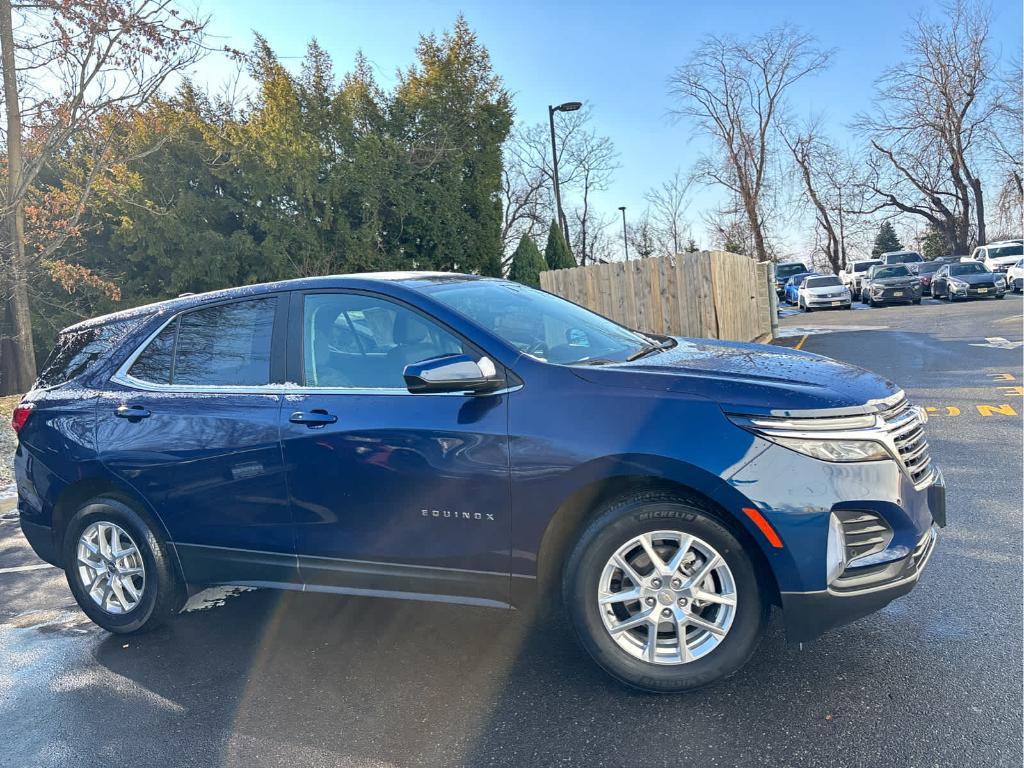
471,440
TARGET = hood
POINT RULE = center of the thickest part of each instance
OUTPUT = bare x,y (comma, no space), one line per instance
749,378
1003,260
907,280
827,290
977,277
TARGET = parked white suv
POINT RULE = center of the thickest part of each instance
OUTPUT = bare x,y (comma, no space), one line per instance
854,273
997,257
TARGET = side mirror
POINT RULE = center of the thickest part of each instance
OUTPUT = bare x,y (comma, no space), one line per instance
453,373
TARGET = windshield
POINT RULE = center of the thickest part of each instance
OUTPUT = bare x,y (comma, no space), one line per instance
542,325
864,266
783,271
902,258
998,252
967,268
928,267
822,282
898,271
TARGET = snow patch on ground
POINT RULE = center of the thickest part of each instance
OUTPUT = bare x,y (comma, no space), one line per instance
803,330
213,597
8,492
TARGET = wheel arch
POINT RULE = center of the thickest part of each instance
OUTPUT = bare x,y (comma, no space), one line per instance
78,493
577,509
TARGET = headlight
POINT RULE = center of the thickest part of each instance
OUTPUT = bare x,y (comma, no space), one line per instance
960,285
834,450
1000,282
835,550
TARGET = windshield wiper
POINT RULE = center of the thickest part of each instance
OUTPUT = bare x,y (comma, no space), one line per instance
648,349
594,361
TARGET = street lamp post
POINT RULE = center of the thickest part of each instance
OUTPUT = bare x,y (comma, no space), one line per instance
569,106
625,241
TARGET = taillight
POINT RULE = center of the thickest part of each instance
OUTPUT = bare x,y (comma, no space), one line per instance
21,414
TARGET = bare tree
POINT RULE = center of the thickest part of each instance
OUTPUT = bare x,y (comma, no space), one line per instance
928,126
604,235
830,181
1004,139
735,91
526,192
71,68
670,202
592,160
586,162
643,238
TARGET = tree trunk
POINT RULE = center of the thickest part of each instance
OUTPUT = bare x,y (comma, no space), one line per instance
979,209
20,368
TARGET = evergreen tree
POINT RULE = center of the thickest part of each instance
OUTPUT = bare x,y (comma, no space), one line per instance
556,252
886,240
935,244
527,263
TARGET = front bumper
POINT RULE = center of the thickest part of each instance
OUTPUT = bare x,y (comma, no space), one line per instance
896,294
819,303
978,293
809,614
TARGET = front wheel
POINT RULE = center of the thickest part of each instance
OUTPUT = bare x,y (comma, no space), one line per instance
662,595
119,569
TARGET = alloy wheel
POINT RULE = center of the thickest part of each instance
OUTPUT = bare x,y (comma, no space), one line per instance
666,597
110,567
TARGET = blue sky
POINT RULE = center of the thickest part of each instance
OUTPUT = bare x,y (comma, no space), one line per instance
615,56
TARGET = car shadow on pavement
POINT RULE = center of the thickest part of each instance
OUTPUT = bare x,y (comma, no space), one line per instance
300,676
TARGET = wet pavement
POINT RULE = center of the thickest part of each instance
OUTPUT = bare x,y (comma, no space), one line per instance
267,679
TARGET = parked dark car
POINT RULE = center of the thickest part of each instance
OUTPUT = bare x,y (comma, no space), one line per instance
470,440
925,271
911,258
890,285
785,271
967,280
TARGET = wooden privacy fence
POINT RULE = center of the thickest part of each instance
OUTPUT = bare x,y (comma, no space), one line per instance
710,294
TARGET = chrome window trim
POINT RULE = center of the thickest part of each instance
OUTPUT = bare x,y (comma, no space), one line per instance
125,379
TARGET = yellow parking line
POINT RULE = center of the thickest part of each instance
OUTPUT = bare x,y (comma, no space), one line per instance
802,340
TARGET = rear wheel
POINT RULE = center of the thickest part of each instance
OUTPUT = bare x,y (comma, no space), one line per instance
119,569
662,595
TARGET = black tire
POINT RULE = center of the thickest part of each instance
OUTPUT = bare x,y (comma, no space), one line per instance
163,592
1000,295
616,524
916,301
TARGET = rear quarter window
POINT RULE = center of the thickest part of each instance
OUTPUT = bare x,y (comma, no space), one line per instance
77,351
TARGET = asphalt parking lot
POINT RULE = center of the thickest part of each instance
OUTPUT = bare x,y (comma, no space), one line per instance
265,679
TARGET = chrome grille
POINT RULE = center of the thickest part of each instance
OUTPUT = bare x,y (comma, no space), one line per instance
905,426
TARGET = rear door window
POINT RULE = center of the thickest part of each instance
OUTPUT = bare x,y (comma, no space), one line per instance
222,345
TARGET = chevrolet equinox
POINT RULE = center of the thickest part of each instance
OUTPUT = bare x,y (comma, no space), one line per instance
448,437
